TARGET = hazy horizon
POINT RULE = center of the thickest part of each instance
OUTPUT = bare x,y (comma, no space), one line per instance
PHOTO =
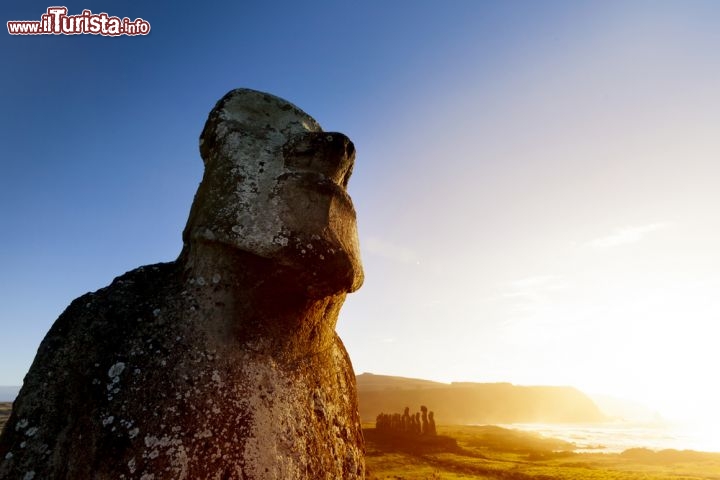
624,409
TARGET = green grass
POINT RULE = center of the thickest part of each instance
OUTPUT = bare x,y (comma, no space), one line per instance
489,452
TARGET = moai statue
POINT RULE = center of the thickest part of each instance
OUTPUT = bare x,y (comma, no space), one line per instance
431,424
224,363
379,422
425,427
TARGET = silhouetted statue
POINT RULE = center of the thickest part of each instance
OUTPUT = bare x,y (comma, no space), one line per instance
431,424
224,363
424,411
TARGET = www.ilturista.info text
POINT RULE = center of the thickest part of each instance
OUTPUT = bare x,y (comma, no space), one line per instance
56,21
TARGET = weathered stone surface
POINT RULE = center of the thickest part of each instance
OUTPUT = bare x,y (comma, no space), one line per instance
225,363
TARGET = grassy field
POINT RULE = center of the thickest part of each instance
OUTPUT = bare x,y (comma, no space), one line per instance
488,452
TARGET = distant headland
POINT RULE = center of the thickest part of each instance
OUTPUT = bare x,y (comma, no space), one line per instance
476,403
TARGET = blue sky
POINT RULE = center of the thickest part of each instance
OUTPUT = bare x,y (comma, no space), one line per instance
536,182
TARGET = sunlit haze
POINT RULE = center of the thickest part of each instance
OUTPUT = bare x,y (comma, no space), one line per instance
537,183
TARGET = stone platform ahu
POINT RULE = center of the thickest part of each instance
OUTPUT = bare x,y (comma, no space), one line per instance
223,364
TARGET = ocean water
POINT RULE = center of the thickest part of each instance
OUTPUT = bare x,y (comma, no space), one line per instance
619,436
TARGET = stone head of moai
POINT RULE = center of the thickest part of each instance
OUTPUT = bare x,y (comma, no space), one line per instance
224,363
275,187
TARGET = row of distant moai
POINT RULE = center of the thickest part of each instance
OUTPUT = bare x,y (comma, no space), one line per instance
406,423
